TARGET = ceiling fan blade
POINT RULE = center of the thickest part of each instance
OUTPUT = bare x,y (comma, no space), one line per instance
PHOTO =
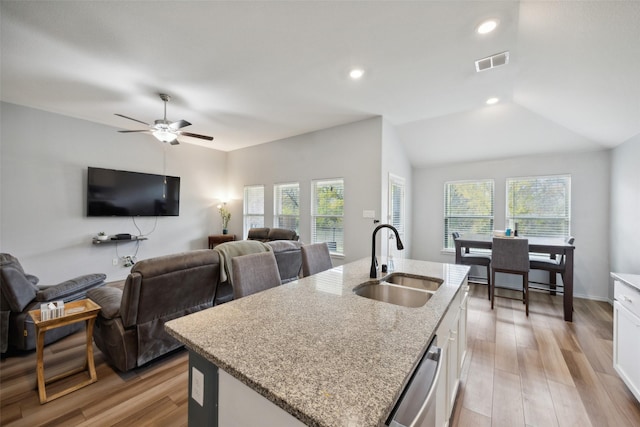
195,135
130,118
128,131
175,142
179,124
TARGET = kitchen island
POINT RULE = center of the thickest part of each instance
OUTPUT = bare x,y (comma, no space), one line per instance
313,349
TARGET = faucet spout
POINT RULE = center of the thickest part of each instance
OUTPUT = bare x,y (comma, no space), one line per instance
373,272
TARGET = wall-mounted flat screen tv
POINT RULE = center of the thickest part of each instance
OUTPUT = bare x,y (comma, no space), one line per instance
120,193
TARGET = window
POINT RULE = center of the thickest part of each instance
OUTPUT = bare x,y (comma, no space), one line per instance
396,208
539,205
468,208
253,210
327,214
286,206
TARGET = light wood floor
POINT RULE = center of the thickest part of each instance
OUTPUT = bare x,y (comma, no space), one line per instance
519,371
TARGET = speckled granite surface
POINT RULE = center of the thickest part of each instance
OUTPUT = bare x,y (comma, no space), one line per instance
629,279
317,350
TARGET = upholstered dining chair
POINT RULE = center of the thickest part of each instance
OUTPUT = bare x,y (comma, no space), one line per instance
475,258
510,255
554,265
315,258
254,273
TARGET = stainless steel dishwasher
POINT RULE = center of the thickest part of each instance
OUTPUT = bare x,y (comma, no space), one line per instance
417,404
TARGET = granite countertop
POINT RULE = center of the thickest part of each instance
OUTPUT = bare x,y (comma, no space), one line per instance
317,350
629,279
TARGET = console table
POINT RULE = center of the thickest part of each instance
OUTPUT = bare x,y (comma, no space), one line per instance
75,311
216,239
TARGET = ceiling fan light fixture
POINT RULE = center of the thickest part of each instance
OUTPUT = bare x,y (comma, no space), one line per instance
492,101
165,135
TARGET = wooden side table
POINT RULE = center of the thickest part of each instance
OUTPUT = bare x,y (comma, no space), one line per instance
75,311
216,239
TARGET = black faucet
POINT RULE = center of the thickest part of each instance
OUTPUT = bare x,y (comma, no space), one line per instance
373,273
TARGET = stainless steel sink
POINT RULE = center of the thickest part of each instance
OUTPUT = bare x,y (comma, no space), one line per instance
413,281
393,294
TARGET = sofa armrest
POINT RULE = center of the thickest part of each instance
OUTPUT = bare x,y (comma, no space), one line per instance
71,288
109,299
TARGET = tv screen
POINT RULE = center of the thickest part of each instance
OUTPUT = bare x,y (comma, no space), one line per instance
120,193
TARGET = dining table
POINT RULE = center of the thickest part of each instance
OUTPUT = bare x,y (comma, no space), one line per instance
553,246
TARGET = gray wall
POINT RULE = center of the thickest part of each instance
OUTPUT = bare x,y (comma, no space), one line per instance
44,160
625,207
350,151
590,181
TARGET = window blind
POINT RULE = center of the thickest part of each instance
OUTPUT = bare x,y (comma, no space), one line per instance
253,210
468,208
539,205
327,213
287,206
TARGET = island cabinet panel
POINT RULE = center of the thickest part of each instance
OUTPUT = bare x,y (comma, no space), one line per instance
216,399
452,339
626,330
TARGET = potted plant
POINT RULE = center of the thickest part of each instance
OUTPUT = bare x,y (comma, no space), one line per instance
102,236
226,216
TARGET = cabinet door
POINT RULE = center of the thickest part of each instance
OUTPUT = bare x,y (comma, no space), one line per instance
462,330
452,364
626,347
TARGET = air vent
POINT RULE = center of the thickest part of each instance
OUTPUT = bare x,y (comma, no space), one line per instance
492,61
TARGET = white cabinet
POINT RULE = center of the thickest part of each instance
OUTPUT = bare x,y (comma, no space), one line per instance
452,338
626,331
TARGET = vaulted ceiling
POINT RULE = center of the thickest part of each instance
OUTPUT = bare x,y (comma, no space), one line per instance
253,72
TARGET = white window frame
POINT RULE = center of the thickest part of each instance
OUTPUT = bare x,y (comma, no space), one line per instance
280,219
454,221
397,214
551,188
253,212
336,242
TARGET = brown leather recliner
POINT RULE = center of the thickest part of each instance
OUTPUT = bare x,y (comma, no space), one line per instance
130,327
20,293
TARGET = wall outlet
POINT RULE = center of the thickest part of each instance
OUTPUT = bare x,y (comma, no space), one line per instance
368,214
197,386
114,261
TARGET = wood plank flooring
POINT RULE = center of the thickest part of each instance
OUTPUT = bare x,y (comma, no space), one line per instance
519,371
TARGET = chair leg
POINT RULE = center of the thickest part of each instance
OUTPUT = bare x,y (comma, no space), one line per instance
526,292
492,289
488,282
552,282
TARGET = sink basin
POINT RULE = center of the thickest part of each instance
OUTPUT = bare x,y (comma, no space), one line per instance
393,294
413,281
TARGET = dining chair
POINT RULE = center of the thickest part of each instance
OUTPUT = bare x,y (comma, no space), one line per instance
475,258
315,258
254,273
511,256
553,264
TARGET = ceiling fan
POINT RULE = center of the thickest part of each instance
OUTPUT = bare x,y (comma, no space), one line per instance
163,129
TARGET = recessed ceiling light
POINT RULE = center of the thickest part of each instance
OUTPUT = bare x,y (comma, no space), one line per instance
492,101
356,73
487,26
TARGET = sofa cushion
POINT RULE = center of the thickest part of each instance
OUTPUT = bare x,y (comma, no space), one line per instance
71,289
261,234
108,298
17,290
282,234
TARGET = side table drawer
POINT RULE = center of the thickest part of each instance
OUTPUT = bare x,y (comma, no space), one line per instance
628,296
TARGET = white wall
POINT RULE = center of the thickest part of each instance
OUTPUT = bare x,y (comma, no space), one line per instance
625,207
350,151
590,181
44,159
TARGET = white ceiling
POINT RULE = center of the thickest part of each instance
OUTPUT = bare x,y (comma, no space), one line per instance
253,72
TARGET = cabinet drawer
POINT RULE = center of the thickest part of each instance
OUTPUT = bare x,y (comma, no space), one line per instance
628,296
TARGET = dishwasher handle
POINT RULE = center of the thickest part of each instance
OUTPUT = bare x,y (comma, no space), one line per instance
435,354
